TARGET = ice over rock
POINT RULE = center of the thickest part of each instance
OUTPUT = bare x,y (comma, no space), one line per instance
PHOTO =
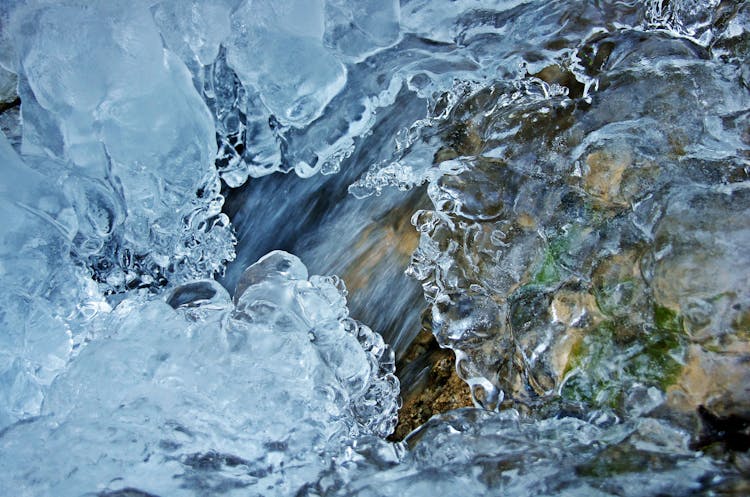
205,395
475,452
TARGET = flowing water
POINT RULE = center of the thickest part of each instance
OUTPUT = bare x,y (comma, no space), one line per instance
557,191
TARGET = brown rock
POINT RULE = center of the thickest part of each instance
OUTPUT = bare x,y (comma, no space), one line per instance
429,384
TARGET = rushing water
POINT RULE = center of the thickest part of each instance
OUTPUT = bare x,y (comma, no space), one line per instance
556,190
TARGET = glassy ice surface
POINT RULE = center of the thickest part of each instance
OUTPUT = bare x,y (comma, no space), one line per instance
565,183
280,375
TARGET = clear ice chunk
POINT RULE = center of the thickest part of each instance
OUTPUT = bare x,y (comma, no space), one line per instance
40,286
200,393
357,29
278,50
134,136
194,30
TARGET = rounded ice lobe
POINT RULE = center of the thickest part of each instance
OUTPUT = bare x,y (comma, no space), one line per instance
200,392
276,289
276,264
279,51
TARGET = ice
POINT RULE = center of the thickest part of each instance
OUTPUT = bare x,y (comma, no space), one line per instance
436,20
273,75
194,31
690,18
133,136
697,263
513,262
357,29
8,83
475,452
201,394
40,286
103,182
278,49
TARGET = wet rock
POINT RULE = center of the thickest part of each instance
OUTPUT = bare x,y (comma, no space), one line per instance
430,385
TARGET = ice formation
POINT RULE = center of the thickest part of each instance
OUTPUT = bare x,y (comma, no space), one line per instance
570,240
474,452
280,378
133,142
576,173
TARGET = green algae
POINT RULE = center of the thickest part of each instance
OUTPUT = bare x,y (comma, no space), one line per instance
615,355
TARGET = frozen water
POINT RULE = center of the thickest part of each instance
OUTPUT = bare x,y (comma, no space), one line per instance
580,245
205,395
41,288
475,452
278,49
132,135
558,250
8,83
195,30
358,29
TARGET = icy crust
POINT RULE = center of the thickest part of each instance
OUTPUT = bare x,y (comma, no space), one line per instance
269,108
474,44
201,395
475,453
131,139
286,113
581,246
694,19
304,108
